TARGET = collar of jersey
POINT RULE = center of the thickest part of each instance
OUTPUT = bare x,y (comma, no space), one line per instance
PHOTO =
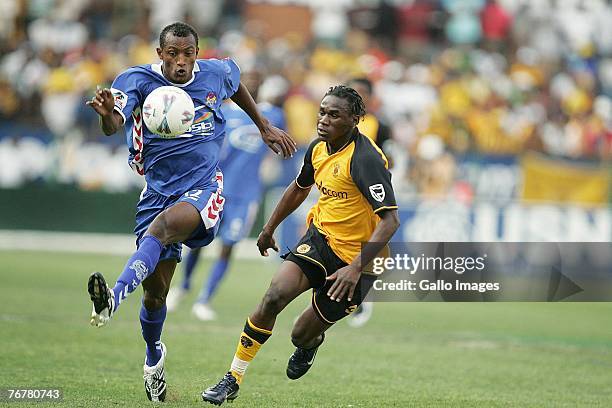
348,142
157,68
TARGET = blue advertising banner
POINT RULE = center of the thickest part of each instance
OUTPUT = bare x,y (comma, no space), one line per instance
448,221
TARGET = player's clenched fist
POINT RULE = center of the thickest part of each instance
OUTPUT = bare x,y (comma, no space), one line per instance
266,241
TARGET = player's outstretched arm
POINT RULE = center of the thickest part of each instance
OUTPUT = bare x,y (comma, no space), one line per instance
103,103
346,278
289,202
272,136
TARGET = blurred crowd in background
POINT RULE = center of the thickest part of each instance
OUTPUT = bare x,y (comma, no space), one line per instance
460,82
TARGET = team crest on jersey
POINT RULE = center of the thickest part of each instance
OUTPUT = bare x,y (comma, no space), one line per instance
378,192
120,98
211,99
336,170
302,249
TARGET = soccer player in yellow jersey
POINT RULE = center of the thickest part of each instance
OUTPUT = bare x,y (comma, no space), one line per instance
356,206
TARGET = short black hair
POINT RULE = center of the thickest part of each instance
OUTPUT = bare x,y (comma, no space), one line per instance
353,98
177,29
363,81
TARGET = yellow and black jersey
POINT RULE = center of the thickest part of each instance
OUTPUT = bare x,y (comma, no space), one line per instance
355,186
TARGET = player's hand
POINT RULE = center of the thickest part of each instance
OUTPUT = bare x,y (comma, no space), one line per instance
345,280
279,141
102,102
266,241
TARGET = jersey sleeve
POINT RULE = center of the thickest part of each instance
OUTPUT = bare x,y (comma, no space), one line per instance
231,77
371,176
126,94
306,177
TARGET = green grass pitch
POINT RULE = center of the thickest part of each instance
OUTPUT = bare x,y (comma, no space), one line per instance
410,354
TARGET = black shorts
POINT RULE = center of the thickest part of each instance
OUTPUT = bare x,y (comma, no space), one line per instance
317,261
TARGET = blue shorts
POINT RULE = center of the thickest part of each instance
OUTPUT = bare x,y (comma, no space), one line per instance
209,202
238,217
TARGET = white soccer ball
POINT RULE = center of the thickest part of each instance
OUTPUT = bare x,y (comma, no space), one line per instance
168,111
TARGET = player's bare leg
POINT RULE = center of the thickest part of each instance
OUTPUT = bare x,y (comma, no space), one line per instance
307,335
288,283
156,286
175,224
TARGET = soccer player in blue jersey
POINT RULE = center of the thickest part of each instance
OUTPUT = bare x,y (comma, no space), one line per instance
182,200
241,155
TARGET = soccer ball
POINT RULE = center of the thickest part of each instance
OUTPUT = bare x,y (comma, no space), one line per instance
168,111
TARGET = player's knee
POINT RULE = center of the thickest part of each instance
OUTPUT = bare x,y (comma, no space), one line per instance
273,302
159,227
302,336
153,301
163,228
299,335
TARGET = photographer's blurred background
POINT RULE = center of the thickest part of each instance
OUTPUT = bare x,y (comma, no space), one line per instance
500,111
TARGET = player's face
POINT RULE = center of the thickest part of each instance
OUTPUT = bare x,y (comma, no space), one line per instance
178,57
335,120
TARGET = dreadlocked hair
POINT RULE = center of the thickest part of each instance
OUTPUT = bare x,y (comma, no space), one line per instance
179,30
351,96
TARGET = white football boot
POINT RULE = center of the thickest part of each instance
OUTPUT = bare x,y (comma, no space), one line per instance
103,300
155,378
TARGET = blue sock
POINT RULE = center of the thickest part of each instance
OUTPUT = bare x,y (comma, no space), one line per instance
190,263
216,275
137,268
152,323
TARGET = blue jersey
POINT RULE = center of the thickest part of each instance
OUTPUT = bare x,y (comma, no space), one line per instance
244,150
189,161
